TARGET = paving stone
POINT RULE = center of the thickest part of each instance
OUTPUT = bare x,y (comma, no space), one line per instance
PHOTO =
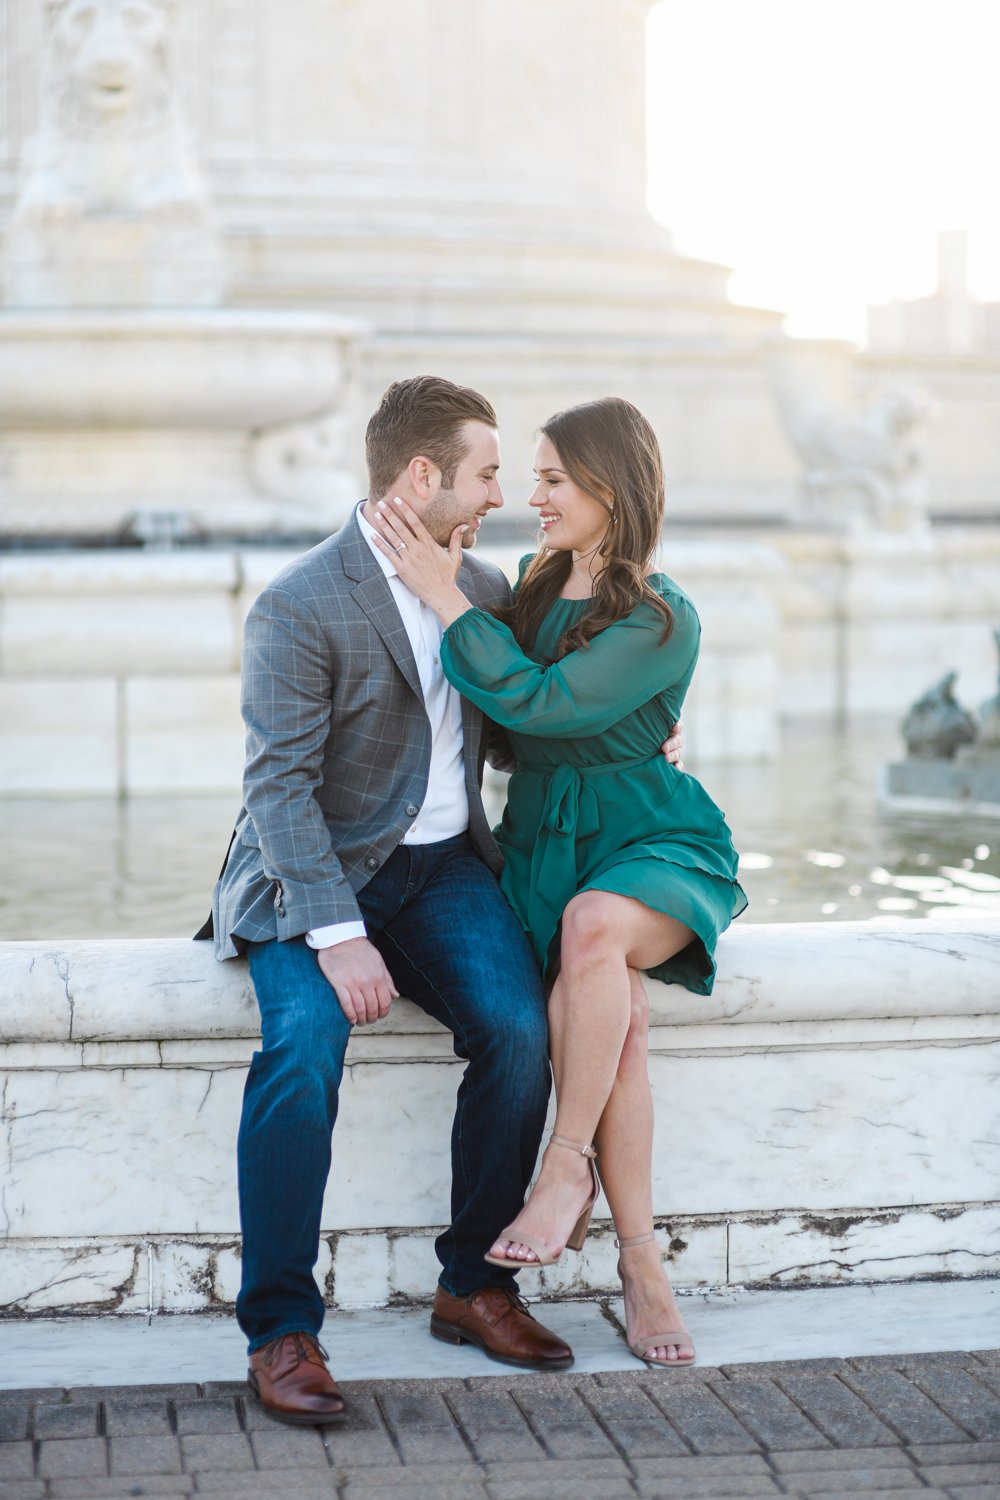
19,1395
966,1452
962,1396
17,1461
668,1488
66,1419
215,1451
702,1420
291,1484
420,1477
837,1411
22,1489
545,1486
905,1362
724,1469
916,1492
866,1481
494,1424
898,1402
134,1393
987,1356
771,1368
15,1421
72,1458
169,1485
213,1389
945,1475
214,1415
832,1460
450,1489
289,1448
144,1455
585,1470
353,1450
137,1418
972,1492
423,1427
636,1426
769,1414
562,1422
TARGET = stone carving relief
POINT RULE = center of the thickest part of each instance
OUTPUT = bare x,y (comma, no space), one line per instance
305,464
113,209
864,467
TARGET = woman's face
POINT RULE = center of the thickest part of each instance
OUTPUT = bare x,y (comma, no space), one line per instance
572,520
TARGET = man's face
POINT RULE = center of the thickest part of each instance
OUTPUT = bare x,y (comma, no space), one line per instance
475,491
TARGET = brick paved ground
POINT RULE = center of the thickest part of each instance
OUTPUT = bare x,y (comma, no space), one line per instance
922,1425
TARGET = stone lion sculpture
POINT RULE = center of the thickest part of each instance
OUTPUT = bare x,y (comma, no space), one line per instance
863,466
111,174
112,134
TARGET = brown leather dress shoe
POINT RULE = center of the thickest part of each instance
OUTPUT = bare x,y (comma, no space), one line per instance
290,1379
498,1322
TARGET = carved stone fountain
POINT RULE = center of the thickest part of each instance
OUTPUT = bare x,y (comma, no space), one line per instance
131,397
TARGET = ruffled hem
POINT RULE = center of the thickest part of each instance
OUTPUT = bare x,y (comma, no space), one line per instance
694,967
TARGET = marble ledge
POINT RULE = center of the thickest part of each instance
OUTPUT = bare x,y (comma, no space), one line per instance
389,1049
191,1273
802,973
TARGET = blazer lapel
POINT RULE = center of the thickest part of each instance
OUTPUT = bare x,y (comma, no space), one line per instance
373,595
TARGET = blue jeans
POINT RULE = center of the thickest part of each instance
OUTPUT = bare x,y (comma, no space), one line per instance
453,946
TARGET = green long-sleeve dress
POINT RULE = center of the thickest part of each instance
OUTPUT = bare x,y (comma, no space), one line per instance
593,803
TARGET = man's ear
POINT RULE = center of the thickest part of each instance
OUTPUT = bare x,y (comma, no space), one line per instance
422,472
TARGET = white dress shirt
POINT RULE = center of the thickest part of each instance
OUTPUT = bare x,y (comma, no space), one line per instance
445,809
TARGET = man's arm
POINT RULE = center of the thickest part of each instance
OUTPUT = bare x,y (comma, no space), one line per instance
286,698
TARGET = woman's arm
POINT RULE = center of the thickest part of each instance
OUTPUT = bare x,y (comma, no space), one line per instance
588,690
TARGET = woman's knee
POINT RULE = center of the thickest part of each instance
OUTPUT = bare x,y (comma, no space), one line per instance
591,926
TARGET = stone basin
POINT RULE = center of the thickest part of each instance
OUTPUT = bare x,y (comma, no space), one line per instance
210,368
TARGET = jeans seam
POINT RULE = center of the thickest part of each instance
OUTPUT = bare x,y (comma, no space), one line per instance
453,1028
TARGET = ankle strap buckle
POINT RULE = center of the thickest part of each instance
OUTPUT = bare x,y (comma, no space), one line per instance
560,1140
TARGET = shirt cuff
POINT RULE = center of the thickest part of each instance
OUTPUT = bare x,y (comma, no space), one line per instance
337,932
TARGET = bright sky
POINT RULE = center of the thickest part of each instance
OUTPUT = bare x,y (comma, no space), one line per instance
817,146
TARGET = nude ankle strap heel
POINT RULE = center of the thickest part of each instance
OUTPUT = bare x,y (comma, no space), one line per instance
676,1336
576,1239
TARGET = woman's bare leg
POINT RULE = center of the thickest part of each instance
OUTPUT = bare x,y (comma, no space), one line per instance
590,1013
625,1153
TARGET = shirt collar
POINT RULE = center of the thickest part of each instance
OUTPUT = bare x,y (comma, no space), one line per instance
368,532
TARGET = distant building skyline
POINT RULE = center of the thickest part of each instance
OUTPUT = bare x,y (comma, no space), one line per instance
820,150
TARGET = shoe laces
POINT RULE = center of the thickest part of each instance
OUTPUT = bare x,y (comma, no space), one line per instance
308,1350
510,1295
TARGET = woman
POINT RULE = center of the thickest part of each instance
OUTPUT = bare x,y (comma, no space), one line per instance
616,862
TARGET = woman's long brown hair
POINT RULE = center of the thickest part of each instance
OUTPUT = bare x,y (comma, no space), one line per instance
610,451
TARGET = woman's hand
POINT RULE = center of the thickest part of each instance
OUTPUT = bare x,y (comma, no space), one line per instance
428,570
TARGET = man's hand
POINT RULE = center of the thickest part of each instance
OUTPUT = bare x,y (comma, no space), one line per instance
359,979
672,748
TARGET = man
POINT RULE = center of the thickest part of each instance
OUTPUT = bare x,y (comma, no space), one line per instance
361,836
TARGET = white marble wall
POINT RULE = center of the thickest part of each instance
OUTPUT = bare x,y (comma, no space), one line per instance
830,1114
119,671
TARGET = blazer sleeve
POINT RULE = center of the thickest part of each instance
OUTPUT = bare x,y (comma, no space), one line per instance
584,693
287,683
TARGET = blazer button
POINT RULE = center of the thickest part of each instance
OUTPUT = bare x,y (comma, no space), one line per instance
371,863
411,810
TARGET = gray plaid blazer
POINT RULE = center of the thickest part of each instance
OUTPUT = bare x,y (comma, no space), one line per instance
338,743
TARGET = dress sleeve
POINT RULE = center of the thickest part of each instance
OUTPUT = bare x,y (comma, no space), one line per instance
588,690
